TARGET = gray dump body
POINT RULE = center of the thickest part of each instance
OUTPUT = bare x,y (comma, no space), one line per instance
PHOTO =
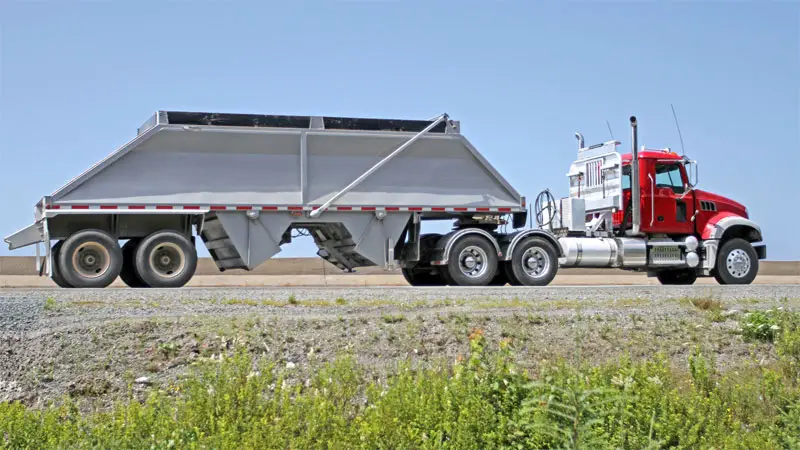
252,178
212,159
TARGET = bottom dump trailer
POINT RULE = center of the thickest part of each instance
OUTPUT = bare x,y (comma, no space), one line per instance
363,189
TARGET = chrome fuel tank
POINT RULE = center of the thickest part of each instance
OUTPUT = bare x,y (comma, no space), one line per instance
603,252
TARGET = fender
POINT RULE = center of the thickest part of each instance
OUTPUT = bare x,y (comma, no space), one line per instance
446,242
508,251
724,223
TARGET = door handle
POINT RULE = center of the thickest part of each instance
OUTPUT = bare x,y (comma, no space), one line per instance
652,198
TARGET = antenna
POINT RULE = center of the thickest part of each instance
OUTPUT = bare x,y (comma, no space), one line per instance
675,116
609,130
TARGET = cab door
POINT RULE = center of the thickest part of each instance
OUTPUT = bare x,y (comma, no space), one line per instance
670,208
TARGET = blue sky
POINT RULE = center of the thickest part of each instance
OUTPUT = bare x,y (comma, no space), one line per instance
79,77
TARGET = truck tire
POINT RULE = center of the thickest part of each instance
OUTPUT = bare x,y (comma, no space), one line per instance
677,277
128,273
472,262
90,259
422,277
165,259
737,262
500,279
57,278
533,263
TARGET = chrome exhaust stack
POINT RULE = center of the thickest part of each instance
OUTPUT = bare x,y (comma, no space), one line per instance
636,213
579,137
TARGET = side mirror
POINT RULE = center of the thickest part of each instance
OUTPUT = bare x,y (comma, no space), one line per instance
691,171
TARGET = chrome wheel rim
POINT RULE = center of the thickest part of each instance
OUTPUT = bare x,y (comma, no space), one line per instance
167,260
738,263
91,260
472,261
535,262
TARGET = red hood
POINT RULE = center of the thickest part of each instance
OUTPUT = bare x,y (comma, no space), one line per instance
723,203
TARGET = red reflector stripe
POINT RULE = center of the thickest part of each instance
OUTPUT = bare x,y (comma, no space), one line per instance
163,206
218,208
482,209
269,208
244,208
437,209
460,209
392,208
344,208
54,207
295,208
136,207
414,208
368,208
80,207
504,209
191,207
108,206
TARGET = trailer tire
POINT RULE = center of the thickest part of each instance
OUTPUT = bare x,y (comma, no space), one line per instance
533,263
90,259
128,273
737,262
58,279
165,259
677,277
472,262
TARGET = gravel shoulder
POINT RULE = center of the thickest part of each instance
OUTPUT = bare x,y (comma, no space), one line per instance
95,344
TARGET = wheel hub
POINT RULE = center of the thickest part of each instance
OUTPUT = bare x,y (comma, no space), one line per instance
472,261
167,260
738,263
91,260
536,262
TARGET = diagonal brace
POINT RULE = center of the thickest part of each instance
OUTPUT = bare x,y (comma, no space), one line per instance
378,165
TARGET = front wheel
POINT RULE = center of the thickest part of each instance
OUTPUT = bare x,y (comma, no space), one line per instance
737,262
677,277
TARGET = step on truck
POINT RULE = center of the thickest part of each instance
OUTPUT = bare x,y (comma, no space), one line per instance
364,189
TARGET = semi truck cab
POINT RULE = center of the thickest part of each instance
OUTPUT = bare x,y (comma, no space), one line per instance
662,224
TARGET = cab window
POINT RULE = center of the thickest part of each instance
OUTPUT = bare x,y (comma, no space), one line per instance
626,177
669,176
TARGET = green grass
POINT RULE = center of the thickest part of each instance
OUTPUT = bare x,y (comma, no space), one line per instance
482,400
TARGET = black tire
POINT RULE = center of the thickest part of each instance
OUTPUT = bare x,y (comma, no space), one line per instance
165,259
484,256
90,259
56,277
505,266
732,258
422,277
128,273
545,256
677,277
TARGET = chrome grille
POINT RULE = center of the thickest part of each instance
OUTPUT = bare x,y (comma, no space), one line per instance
666,255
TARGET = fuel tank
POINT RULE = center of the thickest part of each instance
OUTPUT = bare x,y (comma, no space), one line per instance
603,252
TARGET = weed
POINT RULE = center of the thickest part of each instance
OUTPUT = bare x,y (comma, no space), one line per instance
706,303
292,300
341,301
389,318
49,304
